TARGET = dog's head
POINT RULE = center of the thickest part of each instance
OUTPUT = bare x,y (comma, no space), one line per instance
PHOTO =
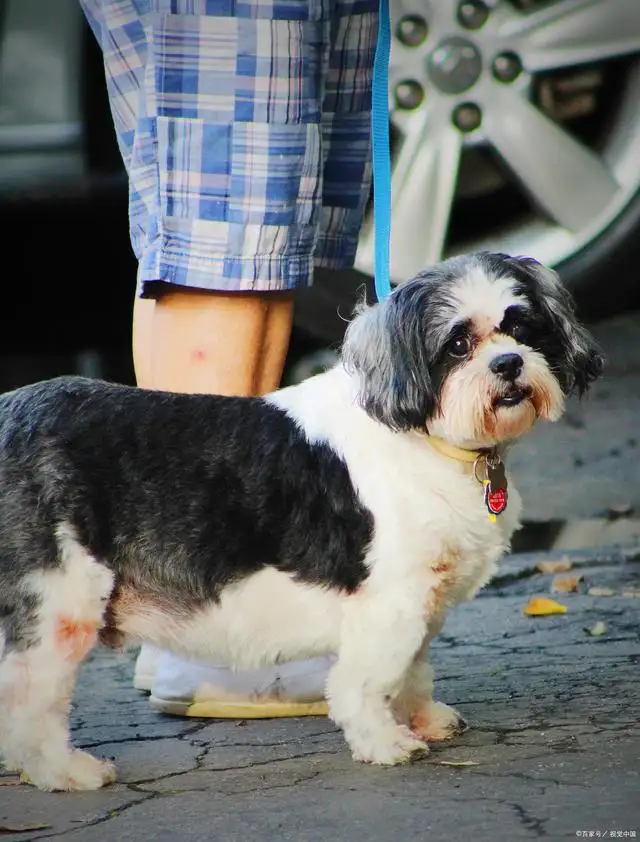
473,350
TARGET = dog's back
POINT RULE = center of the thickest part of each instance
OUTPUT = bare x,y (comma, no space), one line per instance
141,473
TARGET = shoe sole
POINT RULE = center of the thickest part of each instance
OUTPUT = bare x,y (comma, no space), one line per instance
239,710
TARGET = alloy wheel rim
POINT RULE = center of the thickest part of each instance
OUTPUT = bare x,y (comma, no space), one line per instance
463,80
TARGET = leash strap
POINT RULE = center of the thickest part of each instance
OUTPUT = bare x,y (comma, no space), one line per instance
381,154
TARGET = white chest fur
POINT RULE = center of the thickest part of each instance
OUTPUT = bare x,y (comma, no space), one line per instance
428,508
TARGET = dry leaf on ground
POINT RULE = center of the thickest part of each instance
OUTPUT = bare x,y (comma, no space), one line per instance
549,567
598,630
632,592
565,584
542,606
601,592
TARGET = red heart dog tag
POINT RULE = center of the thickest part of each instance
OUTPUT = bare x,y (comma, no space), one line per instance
495,492
496,499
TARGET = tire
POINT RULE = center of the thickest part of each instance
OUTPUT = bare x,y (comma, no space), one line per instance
603,277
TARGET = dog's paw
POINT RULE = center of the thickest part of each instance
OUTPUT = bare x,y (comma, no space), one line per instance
389,747
80,771
437,722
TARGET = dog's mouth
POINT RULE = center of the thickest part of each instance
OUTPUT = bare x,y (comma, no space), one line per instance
513,396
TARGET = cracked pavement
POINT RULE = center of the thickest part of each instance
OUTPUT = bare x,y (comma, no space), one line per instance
553,749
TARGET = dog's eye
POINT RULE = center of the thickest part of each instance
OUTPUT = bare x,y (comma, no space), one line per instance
520,332
459,347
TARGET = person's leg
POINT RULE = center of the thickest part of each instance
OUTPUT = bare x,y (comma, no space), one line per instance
225,203
207,341
181,343
346,153
224,214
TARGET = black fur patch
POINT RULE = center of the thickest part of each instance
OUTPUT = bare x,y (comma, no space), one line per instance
17,617
569,349
177,494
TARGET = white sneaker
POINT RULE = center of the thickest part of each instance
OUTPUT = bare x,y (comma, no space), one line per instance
146,666
194,688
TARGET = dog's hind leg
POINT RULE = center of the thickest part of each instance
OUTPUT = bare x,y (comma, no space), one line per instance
39,667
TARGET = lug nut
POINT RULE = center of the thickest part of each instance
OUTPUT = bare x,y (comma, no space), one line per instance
472,14
411,30
467,117
507,67
408,94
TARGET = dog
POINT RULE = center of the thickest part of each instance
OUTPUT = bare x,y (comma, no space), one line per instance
342,515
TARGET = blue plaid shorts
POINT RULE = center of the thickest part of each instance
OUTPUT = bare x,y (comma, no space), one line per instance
244,126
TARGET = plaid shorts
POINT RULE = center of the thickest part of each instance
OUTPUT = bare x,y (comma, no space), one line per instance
244,126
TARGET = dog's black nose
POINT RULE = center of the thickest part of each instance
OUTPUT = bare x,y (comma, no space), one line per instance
507,366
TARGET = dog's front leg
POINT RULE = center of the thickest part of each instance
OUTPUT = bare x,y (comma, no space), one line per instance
381,632
415,706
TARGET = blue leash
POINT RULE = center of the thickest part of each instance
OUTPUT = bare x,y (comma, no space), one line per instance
381,155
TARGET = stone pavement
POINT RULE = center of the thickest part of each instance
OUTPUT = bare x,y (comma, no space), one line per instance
553,752
590,459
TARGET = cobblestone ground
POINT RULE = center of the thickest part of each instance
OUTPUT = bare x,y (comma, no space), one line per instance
553,752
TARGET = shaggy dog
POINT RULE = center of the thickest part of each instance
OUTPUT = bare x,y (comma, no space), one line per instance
342,515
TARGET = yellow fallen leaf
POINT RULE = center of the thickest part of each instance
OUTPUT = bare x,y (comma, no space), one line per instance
548,567
541,606
458,763
601,592
598,630
633,593
565,584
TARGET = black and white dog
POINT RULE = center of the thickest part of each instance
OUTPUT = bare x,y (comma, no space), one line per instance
341,515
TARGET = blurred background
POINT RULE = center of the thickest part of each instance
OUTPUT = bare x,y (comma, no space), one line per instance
547,166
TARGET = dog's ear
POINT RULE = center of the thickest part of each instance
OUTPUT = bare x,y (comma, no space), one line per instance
385,347
582,361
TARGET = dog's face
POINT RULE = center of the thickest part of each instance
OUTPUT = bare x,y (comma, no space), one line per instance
474,350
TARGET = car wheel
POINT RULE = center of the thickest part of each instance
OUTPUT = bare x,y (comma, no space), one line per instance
515,127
